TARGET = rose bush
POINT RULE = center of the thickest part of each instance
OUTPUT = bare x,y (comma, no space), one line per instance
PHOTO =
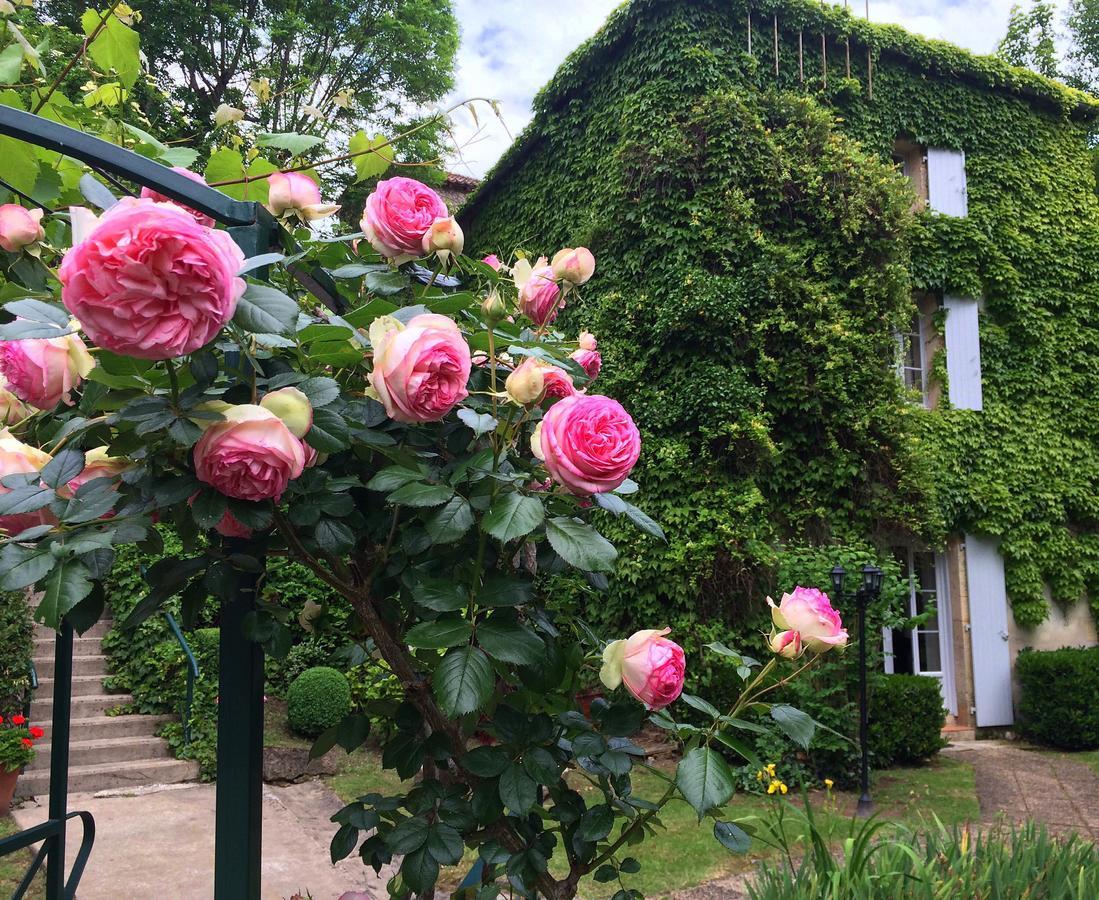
405,422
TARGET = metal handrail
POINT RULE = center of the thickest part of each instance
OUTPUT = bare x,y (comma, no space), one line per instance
192,676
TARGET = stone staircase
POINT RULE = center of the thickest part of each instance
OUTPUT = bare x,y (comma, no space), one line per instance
105,752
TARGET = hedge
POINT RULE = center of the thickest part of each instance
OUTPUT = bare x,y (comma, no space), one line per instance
318,699
906,720
1060,697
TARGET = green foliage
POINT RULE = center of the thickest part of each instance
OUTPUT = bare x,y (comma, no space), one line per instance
906,720
16,745
16,649
1031,39
1060,696
318,699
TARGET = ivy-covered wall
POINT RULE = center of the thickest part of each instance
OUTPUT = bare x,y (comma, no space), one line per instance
753,223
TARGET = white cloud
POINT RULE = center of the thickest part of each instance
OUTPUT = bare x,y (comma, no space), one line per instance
511,48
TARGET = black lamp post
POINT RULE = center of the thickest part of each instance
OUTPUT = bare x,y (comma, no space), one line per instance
870,589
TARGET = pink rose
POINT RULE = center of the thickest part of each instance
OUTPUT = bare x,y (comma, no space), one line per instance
540,297
293,407
493,261
19,227
526,384
398,215
809,612
589,443
12,409
443,238
297,194
44,371
249,455
149,281
97,464
786,644
202,219
574,266
558,382
588,356
230,526
420,369
17,457
651,667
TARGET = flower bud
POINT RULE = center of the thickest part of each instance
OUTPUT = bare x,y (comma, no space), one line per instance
526,384
293,407
444,237
786,644
493,308
493,262
536,443
19,227
574,266
225,114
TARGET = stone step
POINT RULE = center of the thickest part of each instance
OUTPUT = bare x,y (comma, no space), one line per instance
103,727
104,751
112,776
82,707
82,665
44,648
99,629
82,686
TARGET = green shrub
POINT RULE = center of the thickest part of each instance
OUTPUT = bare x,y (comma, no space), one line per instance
16,648
1060,696
318,699
376,692
906,719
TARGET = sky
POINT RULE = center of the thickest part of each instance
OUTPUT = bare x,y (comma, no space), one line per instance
510,48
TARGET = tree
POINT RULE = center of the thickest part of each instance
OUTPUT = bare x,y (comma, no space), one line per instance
1083,54
1031,39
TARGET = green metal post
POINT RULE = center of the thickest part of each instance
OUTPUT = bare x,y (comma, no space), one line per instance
59,759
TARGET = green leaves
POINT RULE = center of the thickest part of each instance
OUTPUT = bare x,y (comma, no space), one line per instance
511,642
420,495
518,791
295,143
116,47
439,634
67,583
463,682
581,545
266,310
732,837
450,522
704,779
513,516
373,163
799,727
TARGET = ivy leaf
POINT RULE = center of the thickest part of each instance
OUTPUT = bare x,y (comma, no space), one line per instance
116,46
374,163
732,837
263,309
799,727
66,585
704,779
512,516
439,634
511,642
450,522
463,682
581,545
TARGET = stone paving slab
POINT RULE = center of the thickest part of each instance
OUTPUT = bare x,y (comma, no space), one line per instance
157,844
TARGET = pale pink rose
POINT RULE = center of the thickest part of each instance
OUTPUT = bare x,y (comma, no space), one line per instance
651,667
398,214
17,457
809,612
574,266
527,383
201,218
44,371
12,409
149,281
19,227
541,297
296,193
558,382
97,464
786,644
493,261
589,443
420,370
249,455
293,407
444,237
587,355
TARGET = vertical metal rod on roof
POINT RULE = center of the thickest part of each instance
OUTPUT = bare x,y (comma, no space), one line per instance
869,59
801,57
775,23
749,29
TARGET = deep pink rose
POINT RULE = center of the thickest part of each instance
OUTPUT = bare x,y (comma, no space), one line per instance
651,667
786,644
149,281
558,382
202,219
541,297
587,355
398,215
296,192
420,369
589,443
16,457
809,612
230,526
19,227
249,455
493,261
44,371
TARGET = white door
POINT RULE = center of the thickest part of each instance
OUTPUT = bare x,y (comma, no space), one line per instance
988,627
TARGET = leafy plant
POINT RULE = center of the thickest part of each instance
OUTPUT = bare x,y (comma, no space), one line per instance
906,720
1060,696
16,649
318,699
17,739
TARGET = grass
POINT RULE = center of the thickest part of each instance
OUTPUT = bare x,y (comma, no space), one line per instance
1089,758
276,730
14,866
686,853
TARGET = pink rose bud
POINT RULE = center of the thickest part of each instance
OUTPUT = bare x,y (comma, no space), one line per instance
558,382
493,308
201,218
12,409
293,407
19,227
420,369
651,667
97,464
44,371
294,193
398,214
573,266
526,384
541,297
249,455
148,281
589,443
17,457
786,644
444,237
809,612
587,356
493,261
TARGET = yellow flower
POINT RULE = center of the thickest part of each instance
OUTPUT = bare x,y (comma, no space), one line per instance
759,775
828,782
772,787
782,787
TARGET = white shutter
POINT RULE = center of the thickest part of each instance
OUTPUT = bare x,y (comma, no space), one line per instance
988,631
963,353
946,186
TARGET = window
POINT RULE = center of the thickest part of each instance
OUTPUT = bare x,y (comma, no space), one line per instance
911,159
919,651
911,368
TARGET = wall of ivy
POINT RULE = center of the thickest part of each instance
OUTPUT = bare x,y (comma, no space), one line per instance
756,253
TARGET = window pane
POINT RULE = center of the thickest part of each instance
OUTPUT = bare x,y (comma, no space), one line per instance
925,571
928,644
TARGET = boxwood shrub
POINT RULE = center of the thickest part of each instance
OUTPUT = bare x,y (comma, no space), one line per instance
1060,696
906,720
318,699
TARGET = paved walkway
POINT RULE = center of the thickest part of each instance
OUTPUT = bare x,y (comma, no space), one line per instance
1019,784
160,844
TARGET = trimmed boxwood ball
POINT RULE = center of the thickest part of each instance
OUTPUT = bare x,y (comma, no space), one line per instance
1060,696
906,720
318,699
